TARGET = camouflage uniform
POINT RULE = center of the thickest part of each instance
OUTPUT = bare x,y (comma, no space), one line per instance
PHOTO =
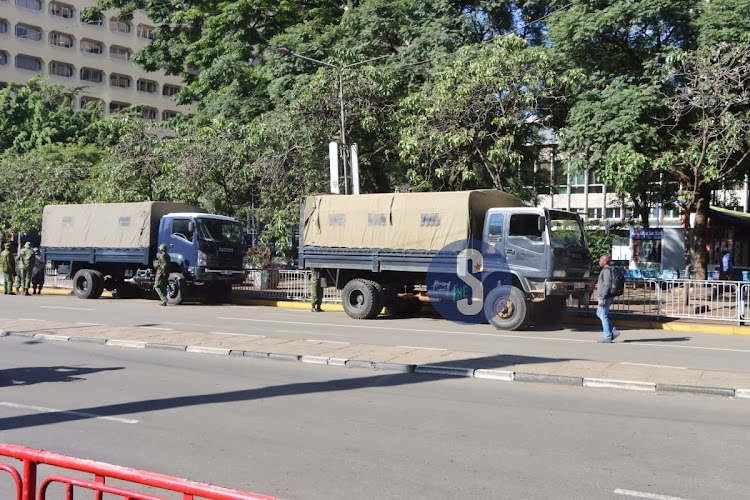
316,290
162,273
8,263
26,259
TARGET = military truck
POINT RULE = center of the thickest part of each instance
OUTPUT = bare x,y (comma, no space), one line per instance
377,249
112,246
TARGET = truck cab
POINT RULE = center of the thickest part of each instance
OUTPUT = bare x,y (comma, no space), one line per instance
207,248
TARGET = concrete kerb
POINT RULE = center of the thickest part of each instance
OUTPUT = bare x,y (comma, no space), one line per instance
452,371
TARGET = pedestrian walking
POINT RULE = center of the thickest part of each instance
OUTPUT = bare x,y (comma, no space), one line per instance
725,270
37,273
8,264
162,273
316,290
604,286
26,261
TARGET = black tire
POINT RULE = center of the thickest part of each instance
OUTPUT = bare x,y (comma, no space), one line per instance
509,316
361,299
550,312
176,289
87,284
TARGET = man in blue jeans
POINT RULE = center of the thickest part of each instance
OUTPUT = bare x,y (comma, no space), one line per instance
605,300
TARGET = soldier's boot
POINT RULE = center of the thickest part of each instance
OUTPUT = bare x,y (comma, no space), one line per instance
26,292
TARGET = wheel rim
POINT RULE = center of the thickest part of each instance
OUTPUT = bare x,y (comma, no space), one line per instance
82,284
356,299
507,311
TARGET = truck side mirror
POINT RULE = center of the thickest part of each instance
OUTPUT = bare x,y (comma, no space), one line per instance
541,223
191,227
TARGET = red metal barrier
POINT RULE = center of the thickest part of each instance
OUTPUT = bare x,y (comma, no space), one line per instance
31,458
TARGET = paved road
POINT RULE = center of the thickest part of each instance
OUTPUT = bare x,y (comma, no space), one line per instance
696,350
307,432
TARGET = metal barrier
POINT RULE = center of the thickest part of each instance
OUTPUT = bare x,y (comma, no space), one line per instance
32,458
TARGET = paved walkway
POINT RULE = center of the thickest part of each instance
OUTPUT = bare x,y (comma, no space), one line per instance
507,368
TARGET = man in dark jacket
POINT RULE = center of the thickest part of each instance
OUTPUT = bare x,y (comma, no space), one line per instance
605,299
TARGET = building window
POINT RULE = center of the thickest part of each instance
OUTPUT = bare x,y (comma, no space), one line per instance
121,81
119,52
147,86
28,32
28,62
170,90
119,26
3,58
60,69
146,31
614,213
61,10
92,75
117,107
85,101
672,213
594,213
30,4
91,47
168,115
149,113
3,26
60,39
3,85
653,213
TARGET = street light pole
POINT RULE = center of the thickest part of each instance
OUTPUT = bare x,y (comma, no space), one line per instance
340,70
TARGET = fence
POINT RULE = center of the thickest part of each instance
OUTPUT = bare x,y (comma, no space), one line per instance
682,298
26,485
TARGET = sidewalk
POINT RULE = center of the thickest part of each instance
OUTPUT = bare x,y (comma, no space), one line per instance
507,368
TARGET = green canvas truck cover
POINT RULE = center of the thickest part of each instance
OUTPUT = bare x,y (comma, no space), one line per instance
402,221
106,225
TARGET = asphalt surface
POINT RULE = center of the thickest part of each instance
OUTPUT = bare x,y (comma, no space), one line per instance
405,359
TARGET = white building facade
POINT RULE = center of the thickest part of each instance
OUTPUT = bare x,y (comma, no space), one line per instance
41,37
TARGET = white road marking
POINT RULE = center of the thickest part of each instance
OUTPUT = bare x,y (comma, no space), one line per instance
656,366
42,409
70,308
88,324
641,494
496,335
156,328
425,348
239,334
325,341
187,324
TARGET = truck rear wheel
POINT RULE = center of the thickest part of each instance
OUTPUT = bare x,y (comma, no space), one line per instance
361,299
509,316
176,289
88,284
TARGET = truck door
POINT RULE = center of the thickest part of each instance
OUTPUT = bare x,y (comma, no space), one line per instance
525,244
181,240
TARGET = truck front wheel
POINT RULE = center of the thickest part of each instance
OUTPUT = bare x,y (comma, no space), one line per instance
361,299
176,289
88,284
508,316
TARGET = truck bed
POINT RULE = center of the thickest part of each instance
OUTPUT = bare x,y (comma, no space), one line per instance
93,255
368,259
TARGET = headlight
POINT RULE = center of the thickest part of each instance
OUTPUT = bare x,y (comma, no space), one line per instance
202,259
559,274
587,274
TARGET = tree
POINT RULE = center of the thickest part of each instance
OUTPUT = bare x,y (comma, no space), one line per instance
472,125
708,127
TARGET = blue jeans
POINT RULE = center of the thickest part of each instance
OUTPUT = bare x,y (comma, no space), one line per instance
602,313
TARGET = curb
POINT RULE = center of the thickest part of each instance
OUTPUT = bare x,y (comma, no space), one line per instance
440,370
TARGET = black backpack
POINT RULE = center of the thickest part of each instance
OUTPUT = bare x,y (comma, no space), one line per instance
617,285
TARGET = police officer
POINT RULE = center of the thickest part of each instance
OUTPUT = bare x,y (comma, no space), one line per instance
316,290
162,273
26,260
8,264
37,273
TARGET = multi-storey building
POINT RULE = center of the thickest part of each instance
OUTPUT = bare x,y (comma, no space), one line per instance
48,37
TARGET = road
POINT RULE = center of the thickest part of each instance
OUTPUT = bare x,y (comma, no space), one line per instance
690,350
308,432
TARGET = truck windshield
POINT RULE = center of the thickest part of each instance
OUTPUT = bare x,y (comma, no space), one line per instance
222,231
565,230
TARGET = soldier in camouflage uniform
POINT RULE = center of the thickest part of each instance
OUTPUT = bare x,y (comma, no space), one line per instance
162,273
8,263
316,290
26,259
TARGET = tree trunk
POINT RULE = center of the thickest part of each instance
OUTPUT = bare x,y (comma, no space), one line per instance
700,256
686,242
